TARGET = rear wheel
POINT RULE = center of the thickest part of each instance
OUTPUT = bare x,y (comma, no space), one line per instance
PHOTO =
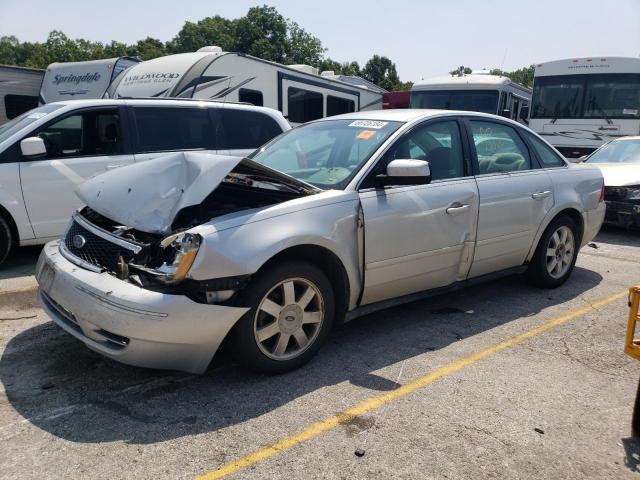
6,239
555,255
292,310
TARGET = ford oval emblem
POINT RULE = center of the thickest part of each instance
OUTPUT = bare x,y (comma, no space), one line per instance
78,241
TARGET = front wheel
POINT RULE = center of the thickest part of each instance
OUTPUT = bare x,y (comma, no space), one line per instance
555,255
292,310
6,239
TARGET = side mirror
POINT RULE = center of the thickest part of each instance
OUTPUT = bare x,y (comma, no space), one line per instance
405,172
33,147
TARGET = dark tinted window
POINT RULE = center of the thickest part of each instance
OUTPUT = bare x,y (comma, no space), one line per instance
84,134
15,105
547,156
253,97
162,128
472,100
304,105
499,148
437,143
337,105
243,129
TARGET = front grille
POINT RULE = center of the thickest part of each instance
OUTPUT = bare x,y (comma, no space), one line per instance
94,249
615,194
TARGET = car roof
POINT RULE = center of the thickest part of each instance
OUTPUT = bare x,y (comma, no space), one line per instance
412,114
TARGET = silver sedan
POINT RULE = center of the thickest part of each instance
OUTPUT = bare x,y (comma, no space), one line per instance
332,220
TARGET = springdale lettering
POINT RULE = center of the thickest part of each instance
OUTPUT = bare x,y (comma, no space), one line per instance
76,79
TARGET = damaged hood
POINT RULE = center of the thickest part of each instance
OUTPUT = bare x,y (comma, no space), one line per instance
619,175
147,195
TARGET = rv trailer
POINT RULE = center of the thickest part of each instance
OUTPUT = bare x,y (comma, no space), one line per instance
298,91
476,92
19,87
82,80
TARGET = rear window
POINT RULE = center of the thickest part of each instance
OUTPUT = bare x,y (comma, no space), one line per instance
244,129
161,129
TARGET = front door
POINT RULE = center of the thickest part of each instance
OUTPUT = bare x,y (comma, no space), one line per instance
515,196
420,237
79,146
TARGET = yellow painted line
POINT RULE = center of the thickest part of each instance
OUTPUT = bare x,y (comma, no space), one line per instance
376,402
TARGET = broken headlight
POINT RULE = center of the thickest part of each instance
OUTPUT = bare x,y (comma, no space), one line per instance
178,252
633,193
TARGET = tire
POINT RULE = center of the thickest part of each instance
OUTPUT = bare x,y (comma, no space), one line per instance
551,271
6,239
635,421
270,337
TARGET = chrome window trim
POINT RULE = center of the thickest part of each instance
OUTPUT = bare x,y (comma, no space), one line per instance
76,260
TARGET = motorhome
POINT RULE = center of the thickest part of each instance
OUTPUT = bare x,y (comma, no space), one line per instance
19,87
82,80
300,92
579,104
476,92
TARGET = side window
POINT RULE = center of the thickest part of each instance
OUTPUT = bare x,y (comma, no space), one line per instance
166,128
254,97
337,105
499,148
304,105
84,134
244,129
15,105
547,156
438,143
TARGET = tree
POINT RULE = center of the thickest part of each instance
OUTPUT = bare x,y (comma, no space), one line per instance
523,76
382,71
147,49
456,71
9,50
262,32
216,30
302,47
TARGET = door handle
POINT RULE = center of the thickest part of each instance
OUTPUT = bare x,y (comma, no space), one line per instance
539,195
457,208
115,165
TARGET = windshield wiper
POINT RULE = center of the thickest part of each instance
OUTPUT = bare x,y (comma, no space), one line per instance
270,181
599,108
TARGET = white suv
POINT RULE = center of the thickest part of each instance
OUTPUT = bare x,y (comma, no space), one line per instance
48,151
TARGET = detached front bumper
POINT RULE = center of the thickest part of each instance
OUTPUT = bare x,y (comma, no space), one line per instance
127,323
623,214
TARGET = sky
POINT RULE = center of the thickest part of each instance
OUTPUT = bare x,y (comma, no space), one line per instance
424,38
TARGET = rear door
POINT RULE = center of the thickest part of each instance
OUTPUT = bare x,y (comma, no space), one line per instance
515,195
79,145
163,129
240,131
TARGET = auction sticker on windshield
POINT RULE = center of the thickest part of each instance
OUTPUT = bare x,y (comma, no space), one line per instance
368,124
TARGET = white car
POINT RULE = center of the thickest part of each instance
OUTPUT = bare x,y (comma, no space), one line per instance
47,152
329,221
619,161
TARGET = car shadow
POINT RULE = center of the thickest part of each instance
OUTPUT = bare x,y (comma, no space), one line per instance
21,262
61,387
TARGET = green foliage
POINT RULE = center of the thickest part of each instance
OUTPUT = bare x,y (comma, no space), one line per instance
263,32
456,71
523,76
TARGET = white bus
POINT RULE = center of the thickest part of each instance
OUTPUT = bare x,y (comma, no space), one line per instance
579,104
298,91
81,80
473,92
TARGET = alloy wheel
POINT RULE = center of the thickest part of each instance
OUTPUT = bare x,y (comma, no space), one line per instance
560,252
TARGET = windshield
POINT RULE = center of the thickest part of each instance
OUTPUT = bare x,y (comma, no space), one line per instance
472,100
27,118
328,153
604,96
618,151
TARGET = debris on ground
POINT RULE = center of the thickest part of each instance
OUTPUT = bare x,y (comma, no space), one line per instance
359,452
593,245
539,430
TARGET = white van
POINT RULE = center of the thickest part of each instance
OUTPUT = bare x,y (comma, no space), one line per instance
48,151
81,80
300,92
